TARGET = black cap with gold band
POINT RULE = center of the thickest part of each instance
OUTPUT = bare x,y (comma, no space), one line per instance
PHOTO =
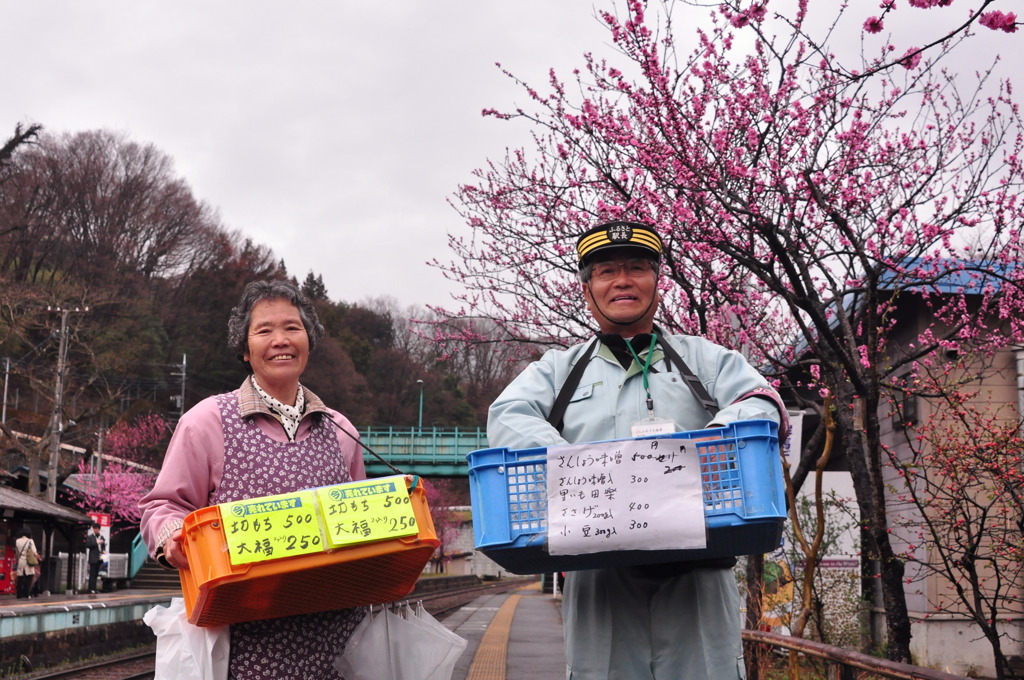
616,235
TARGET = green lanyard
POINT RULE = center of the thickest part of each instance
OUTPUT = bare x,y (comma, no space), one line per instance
646,369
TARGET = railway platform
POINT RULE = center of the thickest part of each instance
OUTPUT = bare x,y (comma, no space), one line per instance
515,635
511,635
66,627
59,612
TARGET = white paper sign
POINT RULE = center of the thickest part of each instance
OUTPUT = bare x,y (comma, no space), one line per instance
637,494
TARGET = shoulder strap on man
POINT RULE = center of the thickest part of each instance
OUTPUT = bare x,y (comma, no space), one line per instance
692,381
569,386
671,356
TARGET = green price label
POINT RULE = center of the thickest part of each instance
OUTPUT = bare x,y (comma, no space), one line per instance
272,527
368,510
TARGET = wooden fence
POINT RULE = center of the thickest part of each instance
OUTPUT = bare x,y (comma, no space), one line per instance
845,664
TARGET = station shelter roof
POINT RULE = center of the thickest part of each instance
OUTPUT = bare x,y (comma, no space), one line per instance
20,505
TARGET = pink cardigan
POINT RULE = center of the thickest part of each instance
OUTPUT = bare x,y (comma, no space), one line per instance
194,463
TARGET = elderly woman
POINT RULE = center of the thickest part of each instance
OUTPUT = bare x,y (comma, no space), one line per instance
269,436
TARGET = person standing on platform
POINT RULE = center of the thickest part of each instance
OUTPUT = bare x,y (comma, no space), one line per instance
651,622
96,545
272,435
25,551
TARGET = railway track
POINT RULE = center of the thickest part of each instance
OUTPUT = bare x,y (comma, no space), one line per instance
135,665
139,664
444,602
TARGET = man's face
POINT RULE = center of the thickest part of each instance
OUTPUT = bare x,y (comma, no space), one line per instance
622,294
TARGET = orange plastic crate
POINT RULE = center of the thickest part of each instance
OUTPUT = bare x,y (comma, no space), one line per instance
217,592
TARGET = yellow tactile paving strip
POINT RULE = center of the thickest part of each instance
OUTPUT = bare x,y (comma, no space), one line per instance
490,660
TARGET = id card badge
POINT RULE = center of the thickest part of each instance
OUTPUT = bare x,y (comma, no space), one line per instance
651,426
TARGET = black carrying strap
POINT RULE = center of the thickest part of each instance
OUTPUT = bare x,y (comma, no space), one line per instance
569,386
671,357
692,381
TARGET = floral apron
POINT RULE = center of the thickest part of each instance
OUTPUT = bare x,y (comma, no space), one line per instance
294,647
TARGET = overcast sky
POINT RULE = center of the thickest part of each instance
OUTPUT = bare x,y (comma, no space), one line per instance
332,131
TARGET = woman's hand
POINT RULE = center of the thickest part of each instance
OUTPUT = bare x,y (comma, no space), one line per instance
174,553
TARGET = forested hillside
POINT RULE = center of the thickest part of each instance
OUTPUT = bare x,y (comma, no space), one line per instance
99,235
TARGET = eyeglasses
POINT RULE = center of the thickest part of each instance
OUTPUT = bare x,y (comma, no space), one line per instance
634,269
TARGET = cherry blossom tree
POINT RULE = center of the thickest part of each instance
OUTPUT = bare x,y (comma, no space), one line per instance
127,471
115,491
802,201
139,440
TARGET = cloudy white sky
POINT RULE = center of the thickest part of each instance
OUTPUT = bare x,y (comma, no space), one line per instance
331,131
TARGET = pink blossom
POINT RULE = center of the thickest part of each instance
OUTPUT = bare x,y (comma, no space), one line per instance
873,25
911,59
998,21
758,12
753,14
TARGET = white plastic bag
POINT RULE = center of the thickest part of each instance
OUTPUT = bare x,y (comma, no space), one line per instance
400,646
366,652
456,645
185,651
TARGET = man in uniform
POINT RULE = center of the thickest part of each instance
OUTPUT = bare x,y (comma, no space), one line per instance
653,622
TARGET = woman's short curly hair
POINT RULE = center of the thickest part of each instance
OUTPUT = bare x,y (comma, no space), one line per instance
258,291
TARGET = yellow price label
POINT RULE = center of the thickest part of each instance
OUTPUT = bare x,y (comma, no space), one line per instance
368,510
272,527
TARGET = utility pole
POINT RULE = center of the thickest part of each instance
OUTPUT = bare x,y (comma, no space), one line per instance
7,379
98,468
57,423
181,406
181,403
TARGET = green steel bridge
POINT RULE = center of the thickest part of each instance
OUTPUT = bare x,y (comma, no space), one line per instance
425,451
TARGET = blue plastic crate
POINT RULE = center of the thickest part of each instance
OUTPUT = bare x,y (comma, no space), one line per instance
744,502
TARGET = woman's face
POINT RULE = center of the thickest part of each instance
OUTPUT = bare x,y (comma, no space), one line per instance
278,348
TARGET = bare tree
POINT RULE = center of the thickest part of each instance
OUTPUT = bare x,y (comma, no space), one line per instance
22,135
99,207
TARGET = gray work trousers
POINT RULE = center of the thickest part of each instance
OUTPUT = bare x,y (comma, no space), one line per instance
621,625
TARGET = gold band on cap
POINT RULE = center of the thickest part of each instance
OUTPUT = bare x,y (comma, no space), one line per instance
638,236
